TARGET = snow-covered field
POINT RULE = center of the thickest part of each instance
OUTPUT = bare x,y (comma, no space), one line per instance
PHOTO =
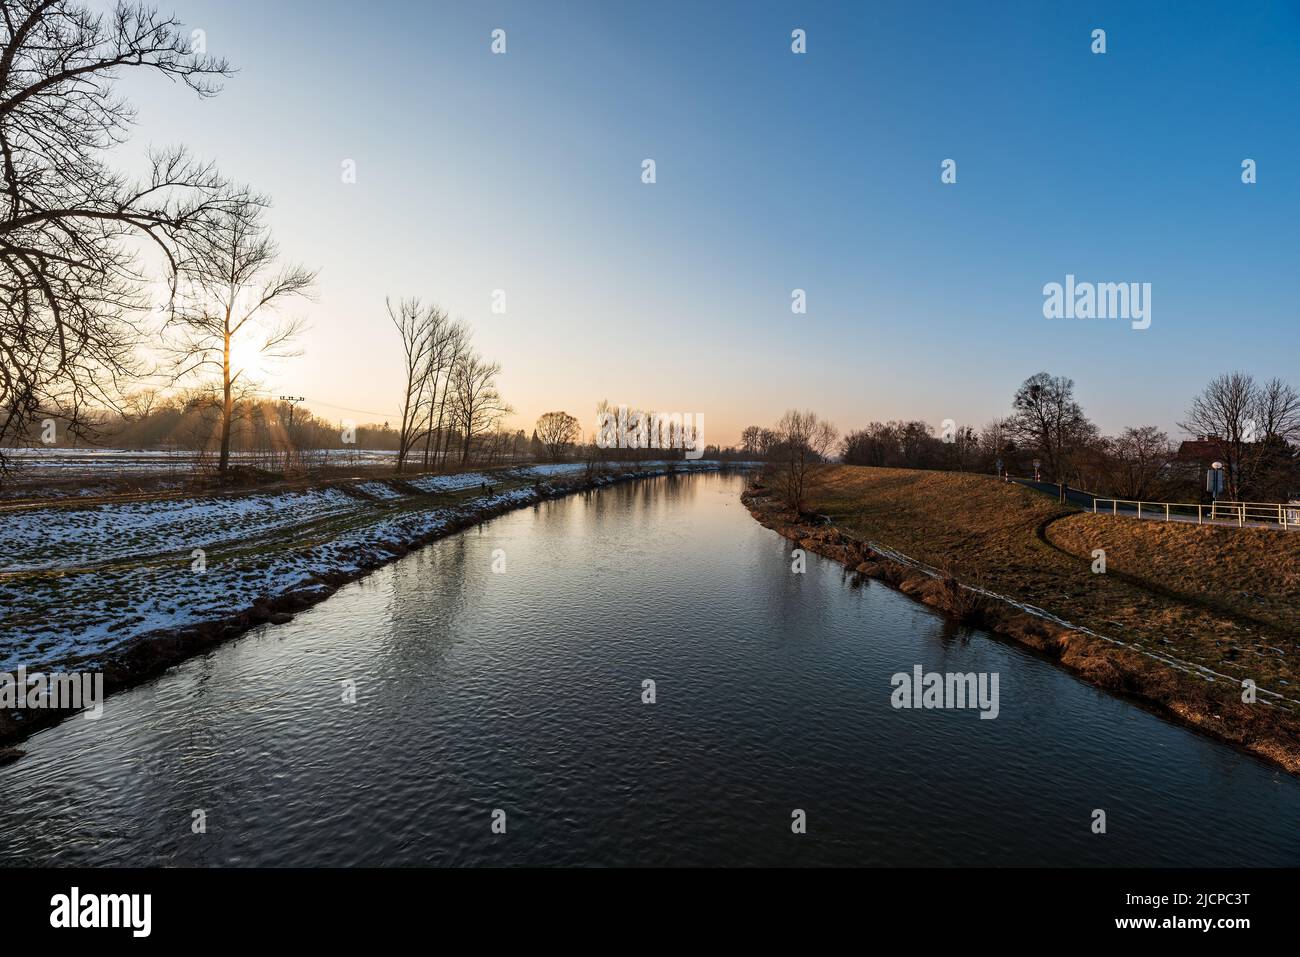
85,537
52,461
450,483
85,580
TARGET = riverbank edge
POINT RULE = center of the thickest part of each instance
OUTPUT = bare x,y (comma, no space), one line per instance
149,655
1263,730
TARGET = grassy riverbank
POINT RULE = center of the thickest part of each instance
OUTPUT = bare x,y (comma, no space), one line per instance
1176,607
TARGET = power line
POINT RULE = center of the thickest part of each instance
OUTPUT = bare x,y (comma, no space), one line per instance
344,408
331,405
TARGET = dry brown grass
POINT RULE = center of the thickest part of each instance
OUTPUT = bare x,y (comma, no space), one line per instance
961,603
1224,598
1252,573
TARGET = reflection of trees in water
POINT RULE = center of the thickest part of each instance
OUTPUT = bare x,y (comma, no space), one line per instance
637,501
427,599
430,591
952,632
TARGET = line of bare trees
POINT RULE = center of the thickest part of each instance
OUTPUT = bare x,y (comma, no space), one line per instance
622,434
450,395
1252,428
264,430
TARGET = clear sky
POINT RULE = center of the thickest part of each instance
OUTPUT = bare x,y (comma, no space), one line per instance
775,171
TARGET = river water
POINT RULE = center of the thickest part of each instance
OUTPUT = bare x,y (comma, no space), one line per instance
520,690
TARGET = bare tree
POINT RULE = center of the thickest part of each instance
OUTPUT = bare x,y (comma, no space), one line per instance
1138,460
862,447
450,340
1052,423
590,452
1224,414
964,444
557,430
1249,427
476,403
997,443
804,440
73,287
751,440
916,443
418,328
1277,460
618,427
1277,411
233,291
140,403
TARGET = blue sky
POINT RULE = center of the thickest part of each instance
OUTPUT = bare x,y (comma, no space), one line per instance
775,171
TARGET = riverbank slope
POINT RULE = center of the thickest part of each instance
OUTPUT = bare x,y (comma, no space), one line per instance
1180,617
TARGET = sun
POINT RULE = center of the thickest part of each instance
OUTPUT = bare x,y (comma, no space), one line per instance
249,362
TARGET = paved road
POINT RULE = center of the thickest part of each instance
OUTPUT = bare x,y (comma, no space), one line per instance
1085,500
1076,496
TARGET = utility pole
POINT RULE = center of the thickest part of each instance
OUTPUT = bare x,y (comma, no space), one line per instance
292,400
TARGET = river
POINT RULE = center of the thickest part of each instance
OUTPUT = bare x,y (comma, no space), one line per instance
502,669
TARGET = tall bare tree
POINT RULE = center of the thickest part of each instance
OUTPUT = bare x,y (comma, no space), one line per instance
1050,421
413,322
476,403
432,345
1224,414
450,341
1277,411
73,282
233,290
1247,424
804,440
751,440
1277,472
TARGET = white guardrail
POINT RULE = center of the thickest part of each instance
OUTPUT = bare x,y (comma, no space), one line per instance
1267,514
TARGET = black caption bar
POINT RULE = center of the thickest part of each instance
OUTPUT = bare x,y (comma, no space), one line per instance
139,907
